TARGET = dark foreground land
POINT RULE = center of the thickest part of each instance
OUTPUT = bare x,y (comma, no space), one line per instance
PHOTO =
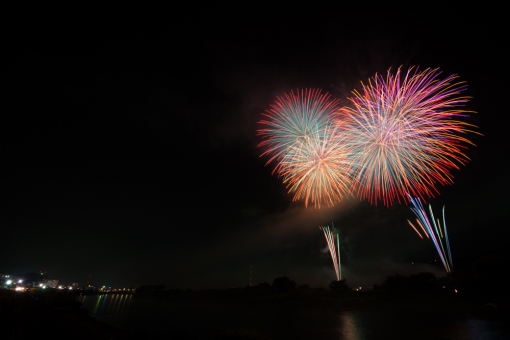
266,312
49,315
276,311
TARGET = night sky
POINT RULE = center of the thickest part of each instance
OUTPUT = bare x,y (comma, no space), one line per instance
129,148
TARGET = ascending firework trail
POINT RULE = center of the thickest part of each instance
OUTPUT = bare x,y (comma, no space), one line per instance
334,249
434,231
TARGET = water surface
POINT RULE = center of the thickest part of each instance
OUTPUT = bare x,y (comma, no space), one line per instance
198,320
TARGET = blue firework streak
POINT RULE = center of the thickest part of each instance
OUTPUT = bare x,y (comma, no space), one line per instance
433,230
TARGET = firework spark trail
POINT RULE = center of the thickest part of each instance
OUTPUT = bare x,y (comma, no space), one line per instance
334,250
293,119
308,151
404,134
317,169
438,230
438,235
412,226
421,214
447,242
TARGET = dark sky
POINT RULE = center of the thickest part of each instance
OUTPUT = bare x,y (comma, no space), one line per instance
129,150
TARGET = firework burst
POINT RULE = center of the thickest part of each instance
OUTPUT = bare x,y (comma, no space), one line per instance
405,134
308,151
316,170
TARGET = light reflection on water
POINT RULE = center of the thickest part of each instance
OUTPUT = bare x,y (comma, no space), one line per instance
108,308
371,325
349,329
479,329
124,312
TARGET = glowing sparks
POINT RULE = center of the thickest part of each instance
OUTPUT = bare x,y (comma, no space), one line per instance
309,153
316,170
434,231
330,235
404,134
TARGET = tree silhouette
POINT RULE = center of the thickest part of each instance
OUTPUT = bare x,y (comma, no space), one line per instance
339,286
283,284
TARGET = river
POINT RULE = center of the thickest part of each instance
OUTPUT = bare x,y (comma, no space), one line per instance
152,319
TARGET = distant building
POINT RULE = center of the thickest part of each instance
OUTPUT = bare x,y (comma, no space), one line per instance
5,280
51,283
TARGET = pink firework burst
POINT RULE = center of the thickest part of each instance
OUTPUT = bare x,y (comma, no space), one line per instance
405,134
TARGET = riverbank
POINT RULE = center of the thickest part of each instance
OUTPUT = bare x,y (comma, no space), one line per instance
50,315
241,314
